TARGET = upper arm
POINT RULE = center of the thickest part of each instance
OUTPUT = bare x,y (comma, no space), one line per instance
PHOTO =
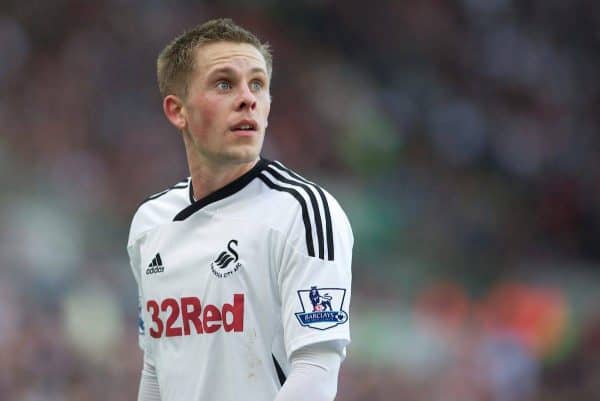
315,289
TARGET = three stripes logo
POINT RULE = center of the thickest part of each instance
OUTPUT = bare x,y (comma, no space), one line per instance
156,266
222,266
314,205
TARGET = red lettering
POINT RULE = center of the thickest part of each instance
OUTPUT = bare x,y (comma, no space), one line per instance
211,314
152,307
174,305
230,316
236,311
190,312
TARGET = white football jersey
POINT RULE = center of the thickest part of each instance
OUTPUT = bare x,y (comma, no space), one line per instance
230,285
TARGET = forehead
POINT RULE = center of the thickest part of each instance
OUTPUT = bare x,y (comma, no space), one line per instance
212,56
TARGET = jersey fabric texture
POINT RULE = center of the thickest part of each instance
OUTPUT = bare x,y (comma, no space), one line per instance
232,284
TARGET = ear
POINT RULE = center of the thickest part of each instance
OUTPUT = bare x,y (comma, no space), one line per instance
175,111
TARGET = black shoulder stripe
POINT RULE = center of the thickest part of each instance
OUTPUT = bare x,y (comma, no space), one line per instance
328,222
313,201
179,185
300,199
280,374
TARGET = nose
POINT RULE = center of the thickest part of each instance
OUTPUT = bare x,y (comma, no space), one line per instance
246,99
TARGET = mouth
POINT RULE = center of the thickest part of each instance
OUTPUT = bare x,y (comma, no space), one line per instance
245,127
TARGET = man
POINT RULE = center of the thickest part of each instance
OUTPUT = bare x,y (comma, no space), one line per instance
226,260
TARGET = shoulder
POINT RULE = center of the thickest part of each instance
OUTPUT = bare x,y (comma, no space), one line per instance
307,213
159,208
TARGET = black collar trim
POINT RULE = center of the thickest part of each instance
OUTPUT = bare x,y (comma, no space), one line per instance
228,190
191,192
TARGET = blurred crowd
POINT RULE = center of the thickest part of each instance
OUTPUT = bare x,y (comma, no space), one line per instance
461,137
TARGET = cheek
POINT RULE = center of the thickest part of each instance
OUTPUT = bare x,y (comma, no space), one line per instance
205,113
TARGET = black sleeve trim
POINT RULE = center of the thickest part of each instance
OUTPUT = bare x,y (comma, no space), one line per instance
280,374
300,199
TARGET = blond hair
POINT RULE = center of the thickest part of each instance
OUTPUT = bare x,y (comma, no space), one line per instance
176,62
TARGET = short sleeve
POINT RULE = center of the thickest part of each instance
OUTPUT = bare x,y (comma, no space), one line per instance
315,291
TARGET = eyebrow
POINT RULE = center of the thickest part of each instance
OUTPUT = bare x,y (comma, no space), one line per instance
229,70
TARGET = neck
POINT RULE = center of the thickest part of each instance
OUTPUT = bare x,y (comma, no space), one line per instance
207,176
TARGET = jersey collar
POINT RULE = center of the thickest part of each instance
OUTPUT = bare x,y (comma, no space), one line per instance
228,190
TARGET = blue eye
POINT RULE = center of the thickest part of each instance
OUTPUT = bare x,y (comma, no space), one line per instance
223,85
256,85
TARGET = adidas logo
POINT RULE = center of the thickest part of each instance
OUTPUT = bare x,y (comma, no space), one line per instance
156,266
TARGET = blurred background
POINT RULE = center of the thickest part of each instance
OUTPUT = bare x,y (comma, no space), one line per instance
461,137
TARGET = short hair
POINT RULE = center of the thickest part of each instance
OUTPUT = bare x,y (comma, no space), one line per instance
176,62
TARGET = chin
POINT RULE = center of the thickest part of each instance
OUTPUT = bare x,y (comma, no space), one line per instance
242,153
242,156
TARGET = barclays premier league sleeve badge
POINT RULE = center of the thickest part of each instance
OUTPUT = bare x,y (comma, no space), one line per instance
322,307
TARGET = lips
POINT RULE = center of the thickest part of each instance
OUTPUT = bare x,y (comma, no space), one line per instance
245,125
